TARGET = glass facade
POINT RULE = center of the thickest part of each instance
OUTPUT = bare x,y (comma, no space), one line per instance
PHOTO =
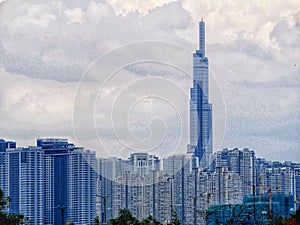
53,183
253,210
200,108
70,182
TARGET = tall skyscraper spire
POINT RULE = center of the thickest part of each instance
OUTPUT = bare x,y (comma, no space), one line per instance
200,108
202,37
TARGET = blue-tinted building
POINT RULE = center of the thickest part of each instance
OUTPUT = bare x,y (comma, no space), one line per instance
70,182
253,210
31,182
297,182
108,170
281,178
52,183
81,183
56,187
200,108
9,181
22,179
241,162
179,168
6,144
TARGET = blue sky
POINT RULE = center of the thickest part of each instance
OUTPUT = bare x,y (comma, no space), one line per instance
253,48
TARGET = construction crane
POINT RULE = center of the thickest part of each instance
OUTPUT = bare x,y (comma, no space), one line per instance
270,194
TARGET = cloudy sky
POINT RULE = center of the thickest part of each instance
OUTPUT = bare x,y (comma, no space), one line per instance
47,48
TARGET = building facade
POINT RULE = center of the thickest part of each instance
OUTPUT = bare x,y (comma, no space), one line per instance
253,210
51,183
241,162
22,179
200,108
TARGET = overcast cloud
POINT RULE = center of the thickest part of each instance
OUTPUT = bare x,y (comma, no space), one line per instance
253,48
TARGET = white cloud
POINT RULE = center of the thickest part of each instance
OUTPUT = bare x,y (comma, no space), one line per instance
286,34
253,49
97,11
43,29
74,15
143,7
39,106
229,17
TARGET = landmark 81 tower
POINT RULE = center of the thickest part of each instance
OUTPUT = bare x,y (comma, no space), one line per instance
200,108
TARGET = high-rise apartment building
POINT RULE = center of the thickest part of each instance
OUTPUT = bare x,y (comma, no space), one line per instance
81,178
70,182
297,185
143,163
241,162
31,185
22,179
179,168
277,178
108,169
4,178
52,183
56,183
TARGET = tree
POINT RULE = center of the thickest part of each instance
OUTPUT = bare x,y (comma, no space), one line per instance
174,219
280,221
294,219
124,218
8,218
150,221
96,220
4,201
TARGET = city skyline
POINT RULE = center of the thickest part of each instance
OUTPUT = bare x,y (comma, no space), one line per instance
62,182
168,112
59,182
258,77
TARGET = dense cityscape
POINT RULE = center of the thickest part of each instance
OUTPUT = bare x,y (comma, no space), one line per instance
56,182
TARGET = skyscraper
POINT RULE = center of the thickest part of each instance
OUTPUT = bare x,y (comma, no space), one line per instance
70,182
22,179
200,108
179,167
108,171
81,186
4,176
241,162
31,185
55,173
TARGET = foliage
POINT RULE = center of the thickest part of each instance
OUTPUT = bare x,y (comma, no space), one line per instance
174,219
150,221
280,221
294,219
8,218
125,218
96,220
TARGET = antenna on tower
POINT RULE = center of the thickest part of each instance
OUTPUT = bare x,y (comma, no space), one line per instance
202,37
